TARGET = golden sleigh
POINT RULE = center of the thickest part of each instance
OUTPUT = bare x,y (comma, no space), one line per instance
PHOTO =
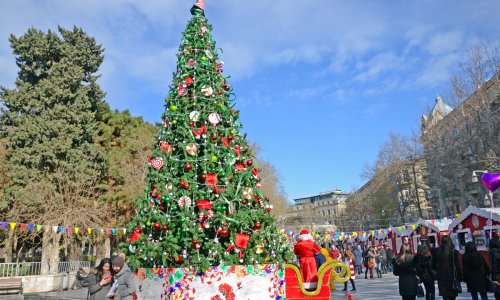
330,271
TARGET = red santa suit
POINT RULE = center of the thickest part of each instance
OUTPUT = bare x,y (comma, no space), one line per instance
305,249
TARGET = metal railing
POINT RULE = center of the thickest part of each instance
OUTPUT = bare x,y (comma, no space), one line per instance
40,268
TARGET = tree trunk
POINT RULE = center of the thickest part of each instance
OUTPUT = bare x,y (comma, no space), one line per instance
74,252
103,249
7,250
50,252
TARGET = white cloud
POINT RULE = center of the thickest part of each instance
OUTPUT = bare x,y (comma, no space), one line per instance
444,43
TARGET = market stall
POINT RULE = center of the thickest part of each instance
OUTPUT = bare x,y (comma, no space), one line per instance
429,232
474,224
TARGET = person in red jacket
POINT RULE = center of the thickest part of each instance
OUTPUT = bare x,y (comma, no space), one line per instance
306,249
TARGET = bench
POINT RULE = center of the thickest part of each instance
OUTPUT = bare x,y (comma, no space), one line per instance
11,285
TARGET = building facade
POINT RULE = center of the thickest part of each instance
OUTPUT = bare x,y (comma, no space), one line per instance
317,211
460,145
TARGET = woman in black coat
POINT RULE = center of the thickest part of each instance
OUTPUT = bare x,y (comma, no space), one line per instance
475,272
444,259
404,267
423,266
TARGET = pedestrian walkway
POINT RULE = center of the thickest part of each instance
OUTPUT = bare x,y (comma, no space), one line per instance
79,294
385,288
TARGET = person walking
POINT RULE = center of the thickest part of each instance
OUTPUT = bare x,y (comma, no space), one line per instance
390,257
335,253
100,280
358,259
370,261
348,261
404,267
125,287
423,266
378,262
447,267
494,251
383,259
475,272
306,249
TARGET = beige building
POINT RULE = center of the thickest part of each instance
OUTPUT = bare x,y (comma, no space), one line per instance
317,211
460,144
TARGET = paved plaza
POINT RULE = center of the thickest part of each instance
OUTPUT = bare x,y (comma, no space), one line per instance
385,288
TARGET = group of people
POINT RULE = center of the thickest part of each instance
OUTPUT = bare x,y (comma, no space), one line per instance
111,279
443,265
416,272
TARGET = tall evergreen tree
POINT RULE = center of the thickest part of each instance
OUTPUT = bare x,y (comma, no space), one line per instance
202,205
49,122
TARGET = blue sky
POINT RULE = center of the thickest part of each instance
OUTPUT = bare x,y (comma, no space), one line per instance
320,84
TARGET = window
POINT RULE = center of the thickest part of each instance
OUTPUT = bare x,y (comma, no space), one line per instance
468,128
480,117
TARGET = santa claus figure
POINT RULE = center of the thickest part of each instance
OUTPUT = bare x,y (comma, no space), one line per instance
305,249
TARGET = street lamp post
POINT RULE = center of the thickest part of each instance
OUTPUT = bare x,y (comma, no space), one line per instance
390,215
482,201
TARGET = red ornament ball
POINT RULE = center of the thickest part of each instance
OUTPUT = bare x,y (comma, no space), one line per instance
213,137
257,225
249,162
186,186
227,87
157,226
191,124
224,233
164,228
188,167
179,259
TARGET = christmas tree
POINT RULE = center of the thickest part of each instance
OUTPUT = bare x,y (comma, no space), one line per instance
202,204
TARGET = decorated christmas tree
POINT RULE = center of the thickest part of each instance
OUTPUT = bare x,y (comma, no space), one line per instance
202,205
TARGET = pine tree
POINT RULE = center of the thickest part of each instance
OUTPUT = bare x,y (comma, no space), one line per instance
49,123
202,205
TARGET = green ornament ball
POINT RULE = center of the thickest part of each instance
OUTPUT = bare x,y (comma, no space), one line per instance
203,58
148,223
214,158
174,122
232,131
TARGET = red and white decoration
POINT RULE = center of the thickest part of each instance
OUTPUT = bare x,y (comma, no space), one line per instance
165,147
200,4
157,163
207,91
248,193
194,116
191,149
216,283
214,118
185,201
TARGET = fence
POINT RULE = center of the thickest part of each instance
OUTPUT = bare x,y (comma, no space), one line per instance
40,268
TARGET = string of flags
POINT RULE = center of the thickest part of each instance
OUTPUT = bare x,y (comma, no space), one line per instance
62,229
364,234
